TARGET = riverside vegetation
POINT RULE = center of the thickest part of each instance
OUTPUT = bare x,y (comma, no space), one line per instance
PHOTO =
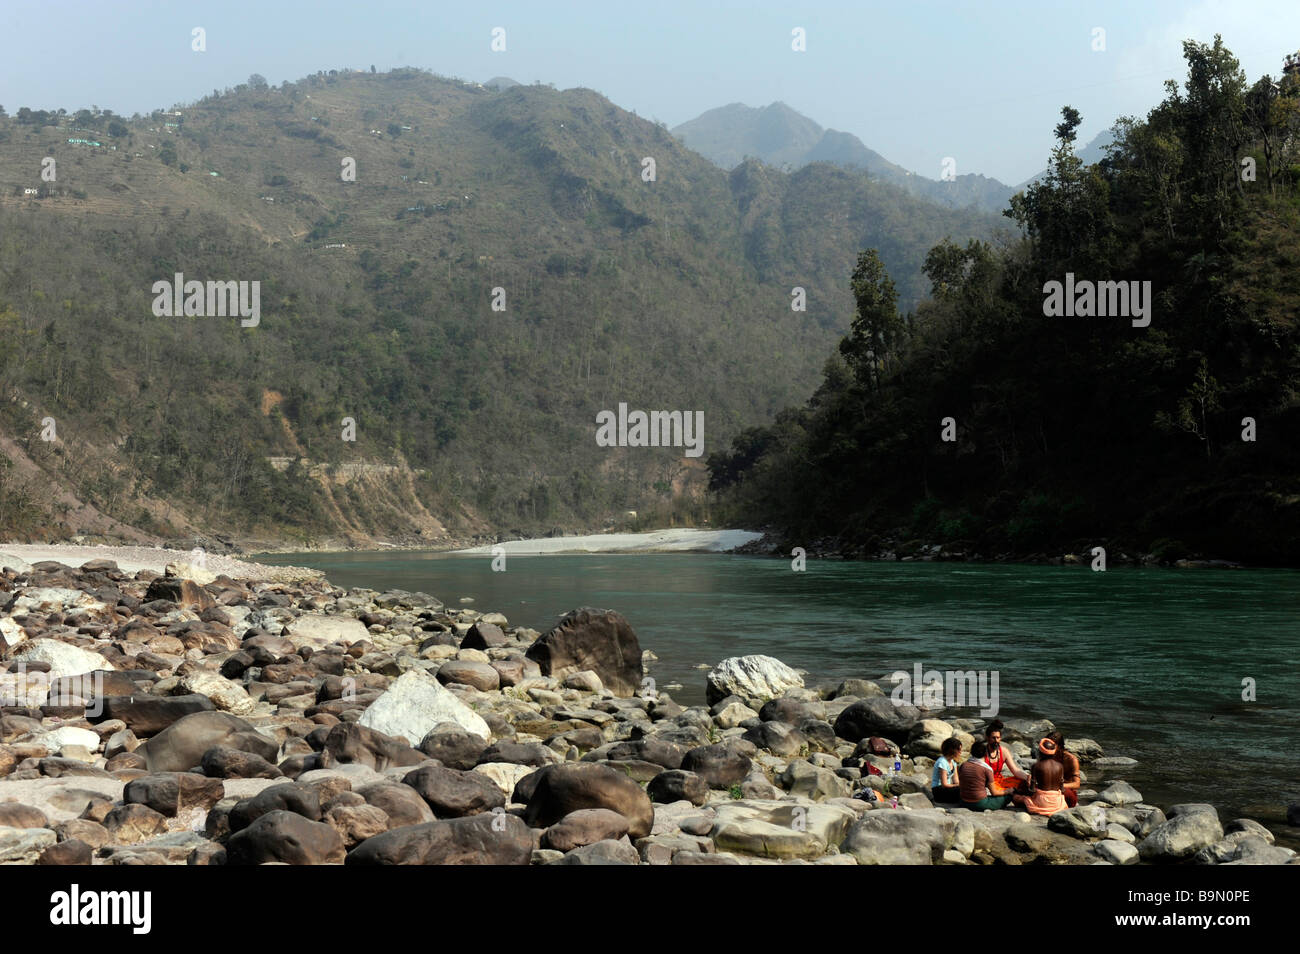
248,722
979,424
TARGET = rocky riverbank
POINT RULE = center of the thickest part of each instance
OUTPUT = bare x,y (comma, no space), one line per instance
164,719
898,549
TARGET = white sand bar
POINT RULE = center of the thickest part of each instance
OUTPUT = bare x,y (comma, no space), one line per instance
665,541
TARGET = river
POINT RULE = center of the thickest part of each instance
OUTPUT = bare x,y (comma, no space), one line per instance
1149,662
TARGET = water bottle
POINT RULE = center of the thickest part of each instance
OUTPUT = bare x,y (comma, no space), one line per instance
898,764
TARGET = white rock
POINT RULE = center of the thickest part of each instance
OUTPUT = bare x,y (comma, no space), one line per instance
752,678
22,846
10,632
64,658
316,630
505,774
63,798
791,828
238,618
1119,833
585,681
1117,852
56,739
45,599
225,695
414,703
15,563
189,571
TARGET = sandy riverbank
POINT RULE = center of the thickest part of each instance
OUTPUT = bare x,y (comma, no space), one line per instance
676,540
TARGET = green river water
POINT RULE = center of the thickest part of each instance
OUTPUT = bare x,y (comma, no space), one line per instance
1149,662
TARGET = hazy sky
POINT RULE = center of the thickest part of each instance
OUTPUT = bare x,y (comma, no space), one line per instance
914,80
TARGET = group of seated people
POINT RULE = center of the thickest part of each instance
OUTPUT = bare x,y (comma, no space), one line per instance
981,783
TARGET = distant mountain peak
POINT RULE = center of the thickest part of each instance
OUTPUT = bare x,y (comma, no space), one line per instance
781,136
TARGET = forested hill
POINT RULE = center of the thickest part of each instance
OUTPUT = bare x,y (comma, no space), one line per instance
376,304
993,423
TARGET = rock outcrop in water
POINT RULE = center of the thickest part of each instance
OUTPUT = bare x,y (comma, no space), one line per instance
237,722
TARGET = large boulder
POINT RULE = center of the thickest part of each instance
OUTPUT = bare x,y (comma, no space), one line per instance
64,659
1025,843
452,793
483,636
318,631
608,851
277,798
901,837
356,823
584,827
811,781
467,672
23,846
170,793
602,641
785,829
1084,821
493,838
180,746
401,803
17,815
351,742
414,703
753,679
222,762
880,716
675,785
658,751
147,715
288,838
186,593
453,746
519,753
720,766
1120,793
1181,836
226,695
778,738
132,822
927,738
566,788
1117,852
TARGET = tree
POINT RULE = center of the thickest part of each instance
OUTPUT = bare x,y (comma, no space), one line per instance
876,327
1065,214
1212,114
257,81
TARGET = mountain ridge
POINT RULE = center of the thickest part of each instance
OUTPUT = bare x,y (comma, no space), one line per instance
376,306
